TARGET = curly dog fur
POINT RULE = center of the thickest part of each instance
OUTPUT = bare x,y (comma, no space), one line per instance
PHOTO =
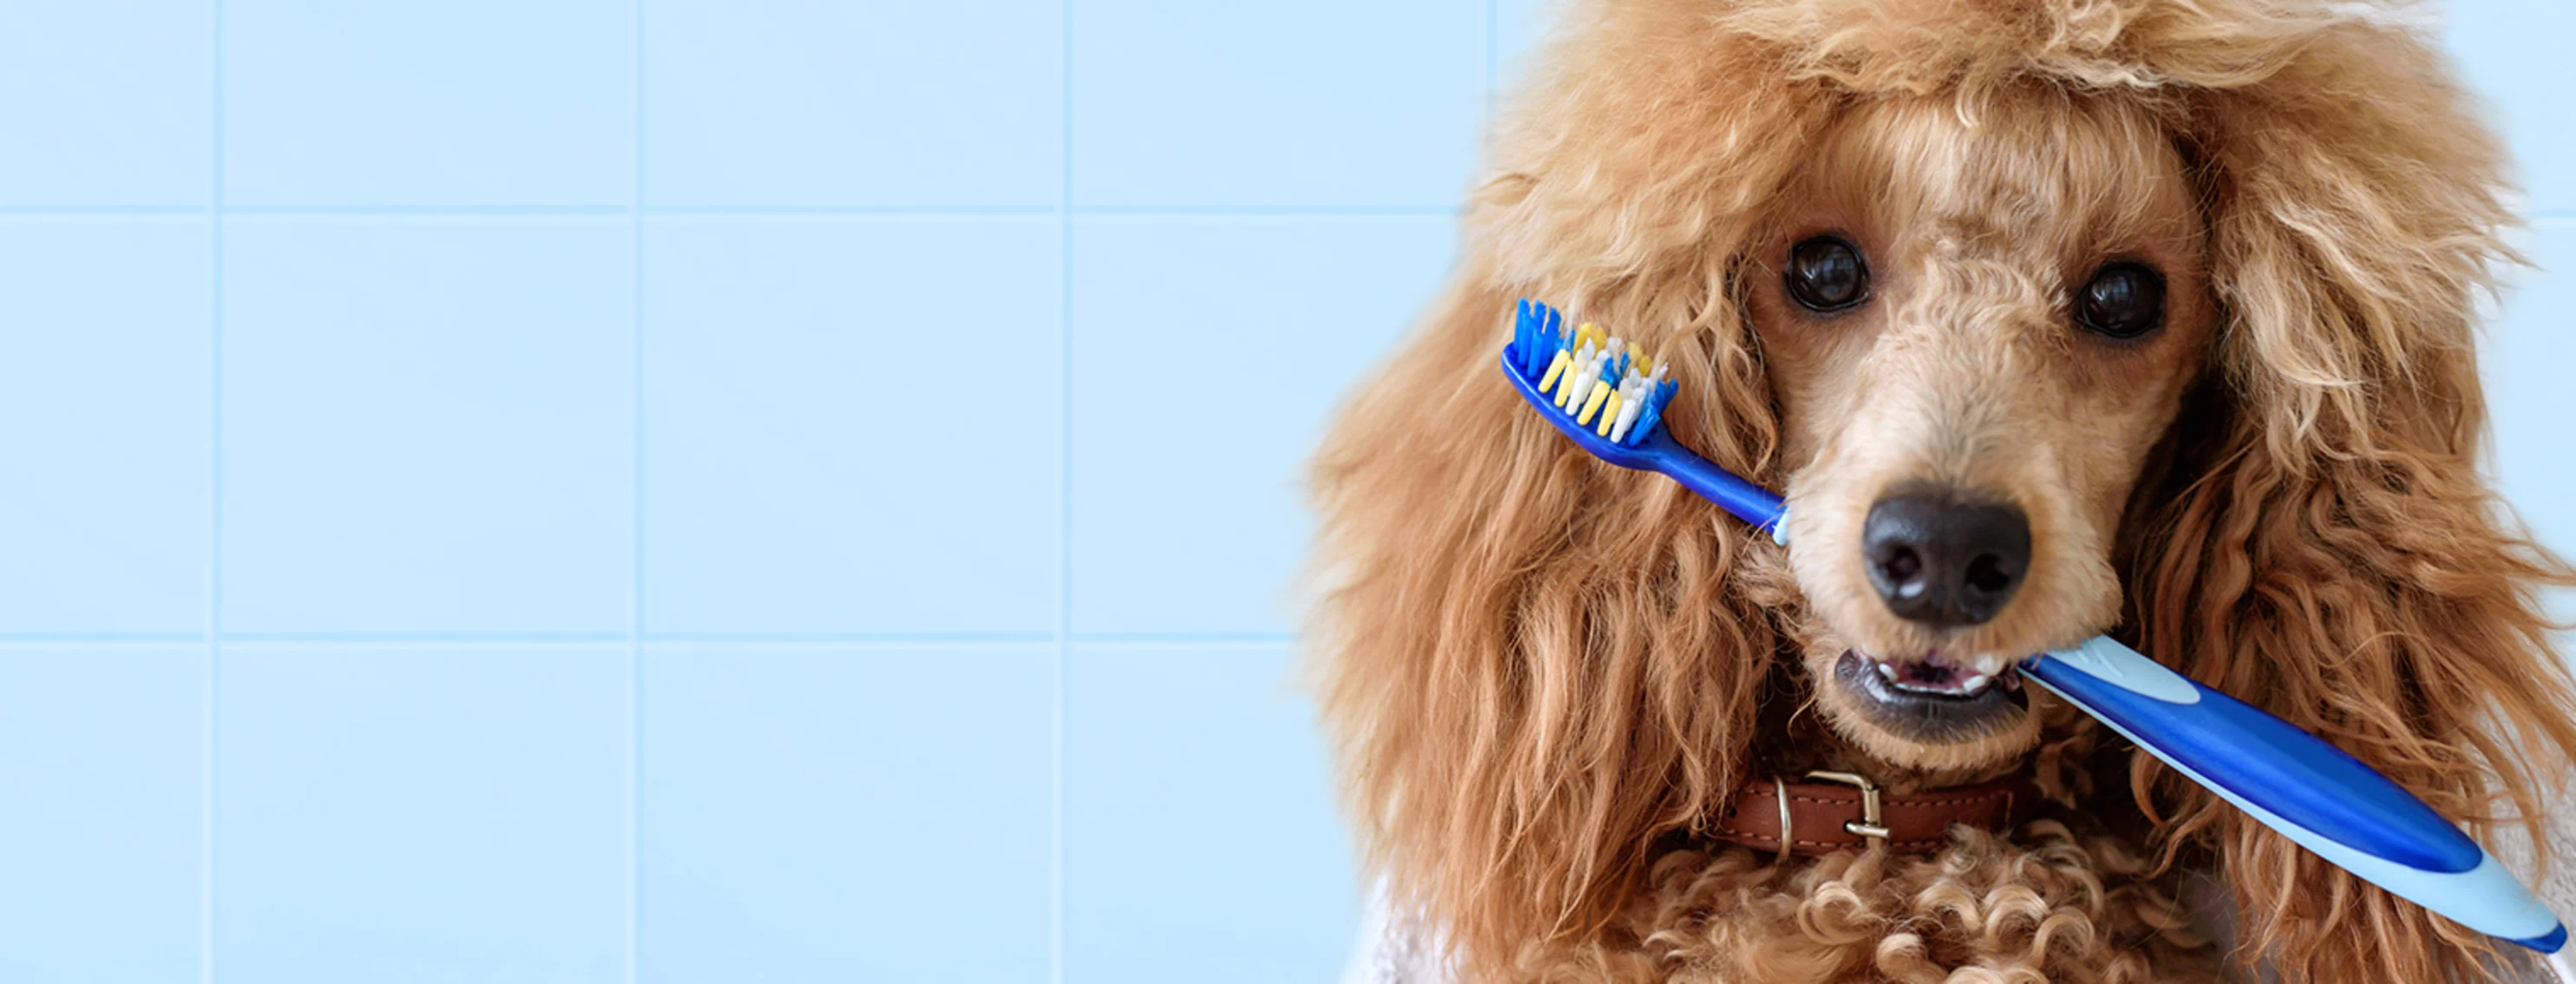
1546,676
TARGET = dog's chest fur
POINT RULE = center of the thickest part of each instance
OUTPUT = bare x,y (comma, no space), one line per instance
2049,904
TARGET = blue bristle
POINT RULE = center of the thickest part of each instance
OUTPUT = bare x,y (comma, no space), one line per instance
1540,342
1525,334
1549,340
1539,333
1522,330
1653,412
1645,423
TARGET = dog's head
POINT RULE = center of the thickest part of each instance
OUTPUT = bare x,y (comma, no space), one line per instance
1976,328
2052,319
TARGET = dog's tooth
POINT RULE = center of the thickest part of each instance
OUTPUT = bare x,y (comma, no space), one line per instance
1887,671
1974,684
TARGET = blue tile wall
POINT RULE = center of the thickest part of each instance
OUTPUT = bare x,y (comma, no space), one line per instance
765,347
2514,56
105,103
420,812
1187,515
2526,356
1198,820
103,410
101,750
787,103
1519,27
427,425
825,814
474,103
743,490
1331,105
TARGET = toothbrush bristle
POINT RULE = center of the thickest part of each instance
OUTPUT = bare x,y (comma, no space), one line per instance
1592,403
1555,371
1609,385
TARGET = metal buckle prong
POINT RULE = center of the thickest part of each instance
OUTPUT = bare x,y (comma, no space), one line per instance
1780,792
1869,824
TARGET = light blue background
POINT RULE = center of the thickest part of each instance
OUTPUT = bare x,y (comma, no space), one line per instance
740,490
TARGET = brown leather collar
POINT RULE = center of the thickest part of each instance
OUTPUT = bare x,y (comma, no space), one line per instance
1845,811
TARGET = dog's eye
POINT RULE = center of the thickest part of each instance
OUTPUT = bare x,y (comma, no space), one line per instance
2124,300
1825,274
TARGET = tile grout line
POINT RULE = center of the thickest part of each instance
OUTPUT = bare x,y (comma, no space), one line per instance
230,639
344,639
512,638
1064,500
624,212
635,544
2556,218
106,211
208,706
105,638
430,211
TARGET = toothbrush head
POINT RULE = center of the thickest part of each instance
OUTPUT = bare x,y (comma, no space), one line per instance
1608,397
1606,394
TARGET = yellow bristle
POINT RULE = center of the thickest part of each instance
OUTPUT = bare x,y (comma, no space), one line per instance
1592,404
1637,360
1554,369
1609,415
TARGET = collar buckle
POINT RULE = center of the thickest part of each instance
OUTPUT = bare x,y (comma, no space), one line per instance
1871,823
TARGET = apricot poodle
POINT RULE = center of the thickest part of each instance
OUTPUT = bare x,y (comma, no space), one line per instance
2051,318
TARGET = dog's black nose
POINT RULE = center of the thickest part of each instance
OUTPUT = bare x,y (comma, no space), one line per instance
1941,557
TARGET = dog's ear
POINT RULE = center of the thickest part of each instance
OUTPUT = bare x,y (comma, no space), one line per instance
1537,664
2326,549
1534,664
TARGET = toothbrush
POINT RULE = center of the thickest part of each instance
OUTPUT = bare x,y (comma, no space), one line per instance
1608,395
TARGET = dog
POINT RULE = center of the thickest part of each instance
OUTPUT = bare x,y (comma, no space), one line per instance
2052,318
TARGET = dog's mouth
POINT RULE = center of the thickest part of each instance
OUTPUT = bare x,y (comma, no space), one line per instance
1933,698
1937,675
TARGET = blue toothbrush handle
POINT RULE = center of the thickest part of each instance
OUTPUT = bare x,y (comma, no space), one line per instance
2296,783
1749,502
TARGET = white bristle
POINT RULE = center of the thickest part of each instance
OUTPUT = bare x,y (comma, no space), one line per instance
1573,369
1584,382
1632,392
